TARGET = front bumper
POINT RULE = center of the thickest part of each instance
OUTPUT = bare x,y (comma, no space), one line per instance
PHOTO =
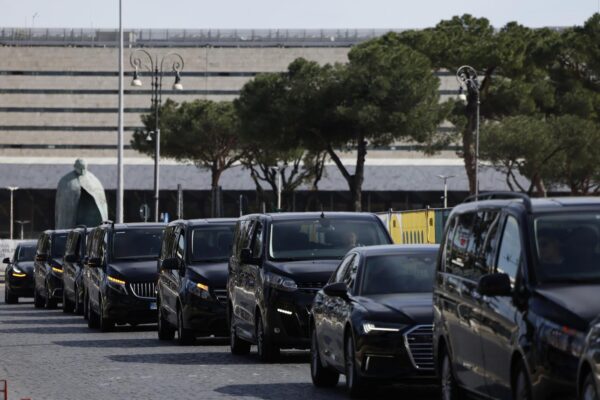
128,308
55,285
205,316
20,287
287,317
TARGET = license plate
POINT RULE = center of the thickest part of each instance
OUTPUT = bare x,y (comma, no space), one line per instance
153,306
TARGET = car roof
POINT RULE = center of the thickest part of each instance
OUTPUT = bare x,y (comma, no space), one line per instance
538,205
55,231
313,215
27,243
134,225
396,249
203,221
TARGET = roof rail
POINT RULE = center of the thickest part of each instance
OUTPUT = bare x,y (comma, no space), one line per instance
502,195
109,222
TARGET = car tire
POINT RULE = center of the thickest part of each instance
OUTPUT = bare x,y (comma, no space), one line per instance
9,298
355,384
38,301
321,375
588,390
267,351
165,330
522,384
93,318
107,324
67,306
238,347
185,337
448,385
49,303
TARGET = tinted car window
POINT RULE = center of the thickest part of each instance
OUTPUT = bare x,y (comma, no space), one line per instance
212,243
338,275
509,256
398,273
59,243
322,238
568,247
26,253
137,243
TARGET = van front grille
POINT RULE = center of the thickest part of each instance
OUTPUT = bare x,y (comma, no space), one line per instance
146,290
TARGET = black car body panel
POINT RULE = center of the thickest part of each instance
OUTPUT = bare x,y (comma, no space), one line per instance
196,289
589,365
48,266
539,325
19,271
73,270
402,350
252,286
122,290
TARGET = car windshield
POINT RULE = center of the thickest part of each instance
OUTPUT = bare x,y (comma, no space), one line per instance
399,273
212,243
322,238
58,245
568,247
143,243
26,253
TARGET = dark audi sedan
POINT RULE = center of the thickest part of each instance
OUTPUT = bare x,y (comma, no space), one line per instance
192,298
373,320
19,273
121,274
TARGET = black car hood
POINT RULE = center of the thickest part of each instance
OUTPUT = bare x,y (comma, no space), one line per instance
214,274
306,271
134,271
410,307
571,305
25,266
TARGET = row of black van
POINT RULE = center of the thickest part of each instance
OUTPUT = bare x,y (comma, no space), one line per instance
505,308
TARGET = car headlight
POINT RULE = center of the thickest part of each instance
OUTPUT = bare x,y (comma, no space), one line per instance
17,270
280,282
116,284
17,273
375,327
563,338
199,289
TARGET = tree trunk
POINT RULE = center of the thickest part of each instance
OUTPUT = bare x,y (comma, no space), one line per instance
215,202
468,149
359,174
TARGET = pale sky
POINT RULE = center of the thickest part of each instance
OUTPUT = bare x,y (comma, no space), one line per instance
231,14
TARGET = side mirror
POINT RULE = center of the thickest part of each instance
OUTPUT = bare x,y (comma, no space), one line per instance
71,258
338,289
170,264
246,256
494,285
6,260
41,257
94,262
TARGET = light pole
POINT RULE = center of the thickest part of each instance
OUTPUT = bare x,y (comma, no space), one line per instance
445,179
22,223
467,80
120,188
141,59
12,208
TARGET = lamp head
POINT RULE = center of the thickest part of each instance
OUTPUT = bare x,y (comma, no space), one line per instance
177,85
136,80
461,95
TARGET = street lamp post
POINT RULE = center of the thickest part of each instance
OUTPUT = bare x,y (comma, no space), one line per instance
445,179
12,208
467,80
22,223
141,59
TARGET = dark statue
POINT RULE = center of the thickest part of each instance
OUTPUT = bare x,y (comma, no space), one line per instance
80,199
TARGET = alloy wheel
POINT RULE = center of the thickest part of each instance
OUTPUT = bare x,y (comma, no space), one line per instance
589,391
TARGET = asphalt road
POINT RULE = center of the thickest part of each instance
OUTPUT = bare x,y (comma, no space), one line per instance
48,355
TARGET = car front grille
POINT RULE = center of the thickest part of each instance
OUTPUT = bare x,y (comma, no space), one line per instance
311,286
146,290
221,295
419,343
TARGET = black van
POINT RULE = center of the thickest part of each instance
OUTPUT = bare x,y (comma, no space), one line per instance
516,289
191,292
120,275
279,262
74,261
48,268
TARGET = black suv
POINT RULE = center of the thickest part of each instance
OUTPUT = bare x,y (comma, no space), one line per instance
191,293
515,292
18,276
279,263
120,275
48,268
73,271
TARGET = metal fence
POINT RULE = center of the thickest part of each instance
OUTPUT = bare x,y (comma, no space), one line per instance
188,37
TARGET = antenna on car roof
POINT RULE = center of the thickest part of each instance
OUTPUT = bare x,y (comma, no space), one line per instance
322,212
108,221
84,227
